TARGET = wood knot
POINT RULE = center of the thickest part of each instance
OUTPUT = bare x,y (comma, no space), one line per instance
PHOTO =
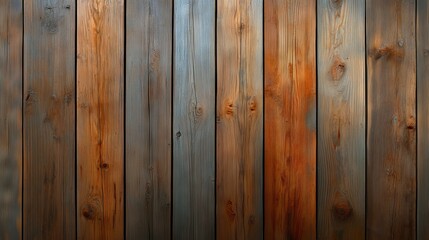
89,211
241,27
342,209
411,123
31,97
252,105
400,42
389,52
229,109
178,134
68,98
230,210
104,166
338,68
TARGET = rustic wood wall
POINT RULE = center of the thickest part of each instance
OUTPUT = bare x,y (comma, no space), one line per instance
214,119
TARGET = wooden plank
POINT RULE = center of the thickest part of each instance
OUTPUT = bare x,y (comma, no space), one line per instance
239,186
422,119
49,120
10,119
391,136
290,119
100,119
148,118
194,120
341,119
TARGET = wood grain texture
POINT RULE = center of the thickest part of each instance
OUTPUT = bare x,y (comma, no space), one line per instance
239,183
290,119
422,119
100,119
341,119
10,119
148,118
194,120
391,136
49,120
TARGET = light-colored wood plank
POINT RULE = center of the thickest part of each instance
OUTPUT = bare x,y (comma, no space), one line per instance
148,118
239,183
10,119
194,120
422,119
49,120
391,136
100,119
290,119
341,119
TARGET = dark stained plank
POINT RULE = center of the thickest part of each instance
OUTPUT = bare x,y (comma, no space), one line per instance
391,126
341,119
194,120
422,119
290,119
148,118
239,184
100,119
49,120
10,119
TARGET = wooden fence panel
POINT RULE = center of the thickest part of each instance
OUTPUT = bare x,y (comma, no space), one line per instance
239,184
11,119
391,139
100,119
49,120
290,119
341,119
148,118
422,119
194,120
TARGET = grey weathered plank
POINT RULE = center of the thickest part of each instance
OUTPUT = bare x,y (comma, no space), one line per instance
341,119
148,118
10,119
239,183
194,120
100,119
49,120
391,136
290,119
422,119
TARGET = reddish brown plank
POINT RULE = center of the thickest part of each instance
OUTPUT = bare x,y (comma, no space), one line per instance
290,119
100,119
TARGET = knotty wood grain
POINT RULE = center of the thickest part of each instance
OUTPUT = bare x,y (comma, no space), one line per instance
194,120
422,119
49,120
100,119
391,136
10,119
341,119
148,118
239,184
290,119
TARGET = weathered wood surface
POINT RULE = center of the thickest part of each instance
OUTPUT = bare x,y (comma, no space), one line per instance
341,119
290,119
100,119
148,118
391,136
239,183
422,119
49,120
194,120
10,119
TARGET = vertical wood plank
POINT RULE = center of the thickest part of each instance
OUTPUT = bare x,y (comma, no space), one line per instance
422,119
10,119
194,120
239,120
341,119
290,119
100,119
148,118
49,120
391,142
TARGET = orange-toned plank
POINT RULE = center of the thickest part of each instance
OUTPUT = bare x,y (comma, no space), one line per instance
100,119
239,181
290,119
